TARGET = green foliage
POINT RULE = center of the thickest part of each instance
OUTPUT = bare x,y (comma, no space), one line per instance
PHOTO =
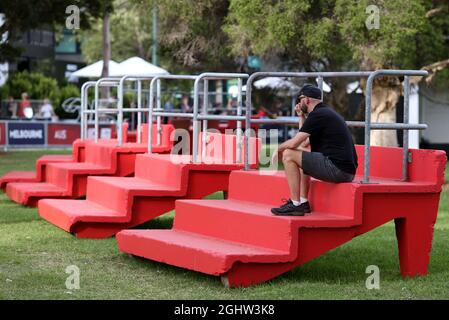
18,83
69,91
191,32
393,44
39,87
128,97
36,85
328,34
130,29
190,36
21,16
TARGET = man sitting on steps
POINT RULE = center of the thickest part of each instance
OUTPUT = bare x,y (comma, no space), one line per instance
332,158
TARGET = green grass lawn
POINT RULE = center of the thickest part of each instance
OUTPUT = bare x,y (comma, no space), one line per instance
34,255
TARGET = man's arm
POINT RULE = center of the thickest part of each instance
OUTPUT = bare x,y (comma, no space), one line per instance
294,142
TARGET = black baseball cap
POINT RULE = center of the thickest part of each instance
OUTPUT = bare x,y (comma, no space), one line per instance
310,91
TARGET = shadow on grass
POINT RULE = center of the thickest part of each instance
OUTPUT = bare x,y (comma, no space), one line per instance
345,265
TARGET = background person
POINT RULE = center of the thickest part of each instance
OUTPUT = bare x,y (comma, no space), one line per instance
46,111
12,108
24,106
185,104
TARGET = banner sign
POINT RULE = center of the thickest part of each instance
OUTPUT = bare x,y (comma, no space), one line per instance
106,132
23,133
47,134
62,134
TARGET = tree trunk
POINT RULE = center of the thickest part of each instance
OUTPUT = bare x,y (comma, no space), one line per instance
106,53
383,109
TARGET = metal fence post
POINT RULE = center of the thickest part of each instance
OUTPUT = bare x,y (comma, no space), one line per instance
84,108
158,118
119,124
366,160
139,114
96,106
239,123
195,120
248,119
150,117
405,132
205,107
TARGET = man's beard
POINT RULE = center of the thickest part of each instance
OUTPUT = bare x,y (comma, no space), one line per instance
304,108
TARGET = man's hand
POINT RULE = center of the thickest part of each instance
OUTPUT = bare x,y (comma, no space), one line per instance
299,111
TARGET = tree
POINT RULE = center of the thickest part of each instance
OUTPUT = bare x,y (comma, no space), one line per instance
333,35
21,16
130,33
191,32
190,35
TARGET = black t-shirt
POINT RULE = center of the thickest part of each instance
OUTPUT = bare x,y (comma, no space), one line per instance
330,136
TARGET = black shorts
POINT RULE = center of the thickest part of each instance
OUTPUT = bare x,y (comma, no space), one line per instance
316,165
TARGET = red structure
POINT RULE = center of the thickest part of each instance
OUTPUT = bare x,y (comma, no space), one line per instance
115,203
77,155
240,240
69,179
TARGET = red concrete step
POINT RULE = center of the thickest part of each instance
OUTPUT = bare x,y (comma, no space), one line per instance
29,193
17,176
116,192
79,155
192,251
207,233
61,174
72,177
270,187
140,200
248,222
39,174
159,180
66,213
102,158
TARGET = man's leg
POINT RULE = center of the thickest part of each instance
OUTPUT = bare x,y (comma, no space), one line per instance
305,184
292,160
305,179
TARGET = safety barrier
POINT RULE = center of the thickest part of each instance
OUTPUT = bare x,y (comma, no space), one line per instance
371,75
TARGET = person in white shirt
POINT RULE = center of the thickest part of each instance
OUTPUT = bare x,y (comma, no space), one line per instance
46,110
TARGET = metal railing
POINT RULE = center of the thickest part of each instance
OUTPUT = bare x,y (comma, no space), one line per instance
117,82
195,116
84,109
158,112
139,109
205,117
405,127
365,124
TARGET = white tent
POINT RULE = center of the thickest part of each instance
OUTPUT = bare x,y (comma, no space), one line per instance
276,83
137,67
283,84
94,70
326,87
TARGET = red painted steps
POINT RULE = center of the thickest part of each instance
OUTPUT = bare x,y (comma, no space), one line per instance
41,163
159,180
69,180
78,155
241,241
